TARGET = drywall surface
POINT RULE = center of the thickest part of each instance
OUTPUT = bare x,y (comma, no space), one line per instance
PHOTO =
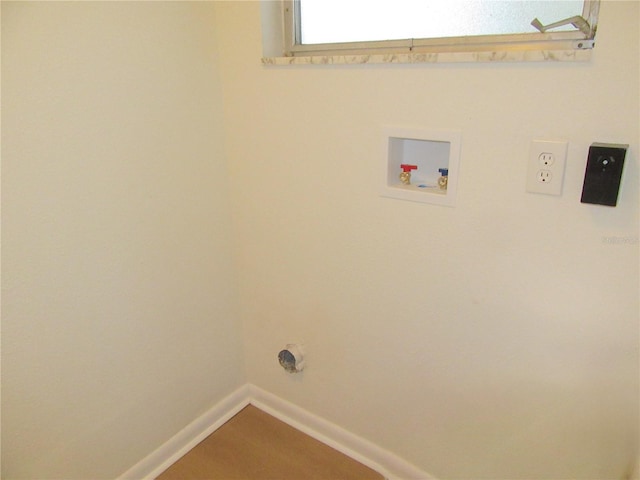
495,339
118,322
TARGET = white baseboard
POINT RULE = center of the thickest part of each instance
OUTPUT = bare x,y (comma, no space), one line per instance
177,446
386,463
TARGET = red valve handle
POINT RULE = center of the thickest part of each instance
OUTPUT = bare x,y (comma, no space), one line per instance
408,168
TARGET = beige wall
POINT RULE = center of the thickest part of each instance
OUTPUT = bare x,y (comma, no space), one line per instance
496,339
118,322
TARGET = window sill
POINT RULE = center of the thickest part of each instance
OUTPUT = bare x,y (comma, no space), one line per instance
448,57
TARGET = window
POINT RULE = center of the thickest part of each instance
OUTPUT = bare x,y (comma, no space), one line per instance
392,27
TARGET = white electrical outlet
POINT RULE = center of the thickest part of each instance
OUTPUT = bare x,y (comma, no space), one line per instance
546,158
545,171
544,176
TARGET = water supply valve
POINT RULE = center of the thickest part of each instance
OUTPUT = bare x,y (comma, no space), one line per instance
444,178
405,176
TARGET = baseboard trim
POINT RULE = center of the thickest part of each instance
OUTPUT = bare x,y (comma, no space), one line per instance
386,463
177,446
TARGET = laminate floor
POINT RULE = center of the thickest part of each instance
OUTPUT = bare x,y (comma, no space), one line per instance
256,446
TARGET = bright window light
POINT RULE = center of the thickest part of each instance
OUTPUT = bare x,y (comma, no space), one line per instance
336,21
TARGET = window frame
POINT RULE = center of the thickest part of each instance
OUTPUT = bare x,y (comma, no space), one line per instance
548,41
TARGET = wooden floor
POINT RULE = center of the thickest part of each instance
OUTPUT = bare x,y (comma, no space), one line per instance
256,446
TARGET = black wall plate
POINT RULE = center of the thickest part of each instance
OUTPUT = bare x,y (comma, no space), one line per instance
603,173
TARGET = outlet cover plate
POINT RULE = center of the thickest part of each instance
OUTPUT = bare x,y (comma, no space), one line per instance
545,170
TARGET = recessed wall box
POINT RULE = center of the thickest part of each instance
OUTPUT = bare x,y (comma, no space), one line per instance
431,152
603,173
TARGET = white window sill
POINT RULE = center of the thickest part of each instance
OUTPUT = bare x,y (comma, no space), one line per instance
448,57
